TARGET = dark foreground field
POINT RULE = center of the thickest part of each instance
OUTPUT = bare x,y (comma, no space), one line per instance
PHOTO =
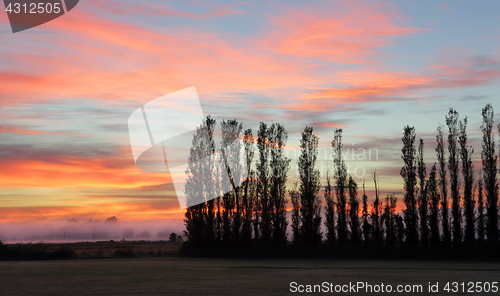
188,276
88,250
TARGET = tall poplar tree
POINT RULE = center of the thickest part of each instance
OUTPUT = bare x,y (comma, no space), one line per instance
248,197
453,166
468,175
423,200
330,211
340,185
230,152
376,212
263,173
366,225
489,160
389,217
199,188
480,208
408,172
295,198
279,166
353,210
433,194
443,186
309,185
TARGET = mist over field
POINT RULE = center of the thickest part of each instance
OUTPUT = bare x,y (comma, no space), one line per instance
74,230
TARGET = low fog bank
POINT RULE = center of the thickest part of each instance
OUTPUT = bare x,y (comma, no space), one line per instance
77,230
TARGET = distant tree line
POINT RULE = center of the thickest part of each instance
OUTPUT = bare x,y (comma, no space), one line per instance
256,211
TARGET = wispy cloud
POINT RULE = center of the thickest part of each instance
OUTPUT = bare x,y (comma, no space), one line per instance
21,131
346,35
326,64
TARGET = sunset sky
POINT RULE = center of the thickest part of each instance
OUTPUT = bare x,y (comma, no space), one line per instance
68,87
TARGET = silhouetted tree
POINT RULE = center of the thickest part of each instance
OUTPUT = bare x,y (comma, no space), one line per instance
400,226
210,189
376,212
218,205
433,194
231,151
279,165
453,163
330,212
389,218
248,197
254,205
408,172
201,163
489,160
263,185
172,237
353,209
480,209
258,206
366,225
340,185
468,174
443,184
309,185
295,198
423,201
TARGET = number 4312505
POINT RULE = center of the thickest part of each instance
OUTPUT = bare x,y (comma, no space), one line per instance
471,287
34,8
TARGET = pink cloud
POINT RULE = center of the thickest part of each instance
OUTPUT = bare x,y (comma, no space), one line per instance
21,131
77,172
388,86
351,36
124,61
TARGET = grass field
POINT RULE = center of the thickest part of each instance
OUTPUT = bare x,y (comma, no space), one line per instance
110,248
186,276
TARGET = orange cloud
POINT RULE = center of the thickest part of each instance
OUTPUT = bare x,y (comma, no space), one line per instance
79,172
371,87
131,211
331,125
389,86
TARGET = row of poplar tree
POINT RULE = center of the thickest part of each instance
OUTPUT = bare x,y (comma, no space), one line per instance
255,210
